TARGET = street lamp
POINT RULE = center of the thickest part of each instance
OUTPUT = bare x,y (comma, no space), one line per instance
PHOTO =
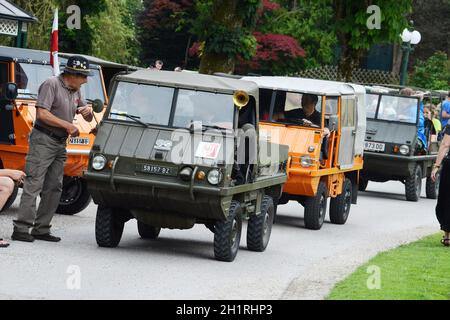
410,38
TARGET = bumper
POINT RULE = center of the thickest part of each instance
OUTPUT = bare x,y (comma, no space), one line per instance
117,180
389,167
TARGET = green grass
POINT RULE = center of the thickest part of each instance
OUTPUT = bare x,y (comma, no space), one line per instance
417,271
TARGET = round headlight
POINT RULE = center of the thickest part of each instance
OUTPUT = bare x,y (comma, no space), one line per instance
306,161
404,150
214,177
99,162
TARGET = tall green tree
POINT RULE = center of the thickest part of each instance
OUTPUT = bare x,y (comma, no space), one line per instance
311,23
433,73
107,30
355,37
79,40
114,32
432,19
224,27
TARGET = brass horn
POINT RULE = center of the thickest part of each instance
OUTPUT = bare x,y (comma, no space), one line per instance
241,98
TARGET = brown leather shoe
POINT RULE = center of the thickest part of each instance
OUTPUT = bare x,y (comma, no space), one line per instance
22,236
47,237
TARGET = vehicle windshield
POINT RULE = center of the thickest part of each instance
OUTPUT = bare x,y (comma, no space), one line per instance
153,105
149,104
291,108
392,108
371,105
211,109
30,76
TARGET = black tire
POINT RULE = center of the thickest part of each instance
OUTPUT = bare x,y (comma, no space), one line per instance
227,234
413,185
259,227
11,199
108,227
432,188
340,206
363,182
148,232
316,208
75,196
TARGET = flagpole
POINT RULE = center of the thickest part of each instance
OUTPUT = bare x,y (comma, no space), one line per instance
54,45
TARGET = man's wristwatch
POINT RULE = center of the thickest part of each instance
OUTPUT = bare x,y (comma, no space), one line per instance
436,166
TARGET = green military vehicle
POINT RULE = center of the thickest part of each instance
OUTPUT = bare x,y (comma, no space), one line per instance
394,149
176,149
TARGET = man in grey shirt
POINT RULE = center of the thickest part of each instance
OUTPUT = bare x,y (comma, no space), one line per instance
59,99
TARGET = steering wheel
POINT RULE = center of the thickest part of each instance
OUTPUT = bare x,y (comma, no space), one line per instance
304,122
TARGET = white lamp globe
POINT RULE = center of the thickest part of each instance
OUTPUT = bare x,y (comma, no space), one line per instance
406,35
416,37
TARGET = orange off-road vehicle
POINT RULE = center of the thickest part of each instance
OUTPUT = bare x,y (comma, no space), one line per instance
326,151
28,69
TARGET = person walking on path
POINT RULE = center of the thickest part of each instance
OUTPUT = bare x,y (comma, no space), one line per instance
8,179
59,99
443,203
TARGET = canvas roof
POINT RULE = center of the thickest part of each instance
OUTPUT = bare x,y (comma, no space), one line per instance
44,56
313,86
190,80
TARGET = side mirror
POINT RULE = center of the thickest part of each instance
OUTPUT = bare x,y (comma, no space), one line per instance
97,105
9,91
333,122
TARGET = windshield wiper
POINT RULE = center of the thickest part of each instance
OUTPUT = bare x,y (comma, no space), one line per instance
129,116
206,126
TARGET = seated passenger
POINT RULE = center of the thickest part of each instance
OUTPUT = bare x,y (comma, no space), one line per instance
431,126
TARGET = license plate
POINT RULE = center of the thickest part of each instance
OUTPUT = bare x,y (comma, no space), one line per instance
152,169
374,146
79,141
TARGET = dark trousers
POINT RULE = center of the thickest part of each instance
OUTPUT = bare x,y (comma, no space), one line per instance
45,170
443,203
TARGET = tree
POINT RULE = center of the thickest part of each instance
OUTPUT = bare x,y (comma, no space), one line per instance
354,36
164,31
114,28
78,40
106,25
311,24
276,53
39,32
433,73
224,27
431,18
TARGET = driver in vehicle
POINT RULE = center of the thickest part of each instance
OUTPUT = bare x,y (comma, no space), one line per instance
308,113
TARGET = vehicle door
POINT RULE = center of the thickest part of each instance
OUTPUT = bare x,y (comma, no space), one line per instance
348,132
6,115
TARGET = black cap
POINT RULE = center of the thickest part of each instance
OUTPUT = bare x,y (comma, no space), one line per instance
78,65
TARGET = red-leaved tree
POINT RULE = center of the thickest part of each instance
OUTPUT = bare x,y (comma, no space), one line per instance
276,54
